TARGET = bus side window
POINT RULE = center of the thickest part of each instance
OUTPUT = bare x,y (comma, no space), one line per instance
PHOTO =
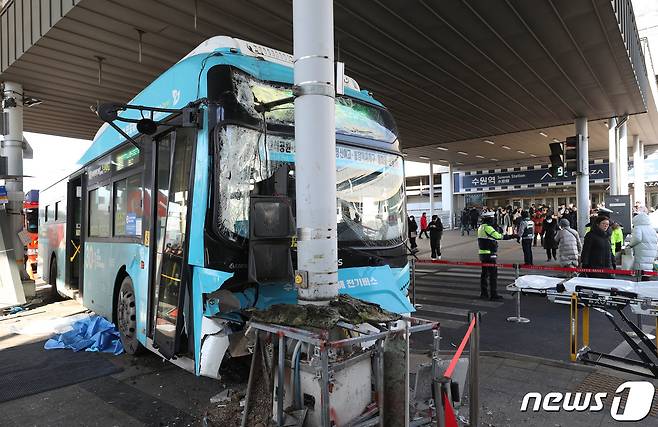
56,211
99,211
47,216
128,207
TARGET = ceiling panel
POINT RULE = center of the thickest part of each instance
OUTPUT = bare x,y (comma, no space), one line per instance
451,72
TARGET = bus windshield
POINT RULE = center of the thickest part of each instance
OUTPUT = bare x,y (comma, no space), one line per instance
370,193
353,117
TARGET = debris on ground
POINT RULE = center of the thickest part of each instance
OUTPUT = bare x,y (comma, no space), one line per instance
48,325
229,413
16,309
222,396
93,334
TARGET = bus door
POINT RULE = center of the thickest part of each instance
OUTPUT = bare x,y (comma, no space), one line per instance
174,165
74,232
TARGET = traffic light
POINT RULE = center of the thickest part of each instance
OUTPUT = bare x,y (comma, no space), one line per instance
557,159
571,154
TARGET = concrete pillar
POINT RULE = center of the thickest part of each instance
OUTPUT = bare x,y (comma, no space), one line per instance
638,167
612,155
12,148
447,196
622,163
582,179
315,146
11,221
431,181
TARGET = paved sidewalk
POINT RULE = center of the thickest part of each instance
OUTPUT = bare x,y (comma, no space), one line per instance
456,247
505,378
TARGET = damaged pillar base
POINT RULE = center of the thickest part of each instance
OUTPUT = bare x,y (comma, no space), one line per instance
396,380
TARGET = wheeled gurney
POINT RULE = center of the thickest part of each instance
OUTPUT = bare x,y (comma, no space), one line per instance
603,295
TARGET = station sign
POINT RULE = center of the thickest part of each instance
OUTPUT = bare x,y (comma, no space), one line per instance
483,180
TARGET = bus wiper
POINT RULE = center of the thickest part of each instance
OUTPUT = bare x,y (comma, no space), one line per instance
263,107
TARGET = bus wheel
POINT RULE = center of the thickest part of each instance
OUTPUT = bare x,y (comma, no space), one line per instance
52,281
126,315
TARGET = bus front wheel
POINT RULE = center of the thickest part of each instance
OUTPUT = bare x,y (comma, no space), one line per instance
126,315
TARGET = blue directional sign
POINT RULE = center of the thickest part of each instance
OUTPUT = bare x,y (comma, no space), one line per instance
513,177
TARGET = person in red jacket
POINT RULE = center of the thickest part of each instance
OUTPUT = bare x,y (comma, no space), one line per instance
538,219
423,226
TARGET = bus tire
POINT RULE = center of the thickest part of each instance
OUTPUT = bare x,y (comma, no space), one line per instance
126,315
52,280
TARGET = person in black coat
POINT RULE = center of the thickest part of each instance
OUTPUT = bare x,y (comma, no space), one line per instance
474,215
549,231
597,252
413,230
572,216
466,221
436,231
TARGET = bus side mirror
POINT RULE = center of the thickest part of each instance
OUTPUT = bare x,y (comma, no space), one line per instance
108,111
147,127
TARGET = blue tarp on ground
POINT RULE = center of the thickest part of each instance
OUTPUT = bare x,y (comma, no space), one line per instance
91,334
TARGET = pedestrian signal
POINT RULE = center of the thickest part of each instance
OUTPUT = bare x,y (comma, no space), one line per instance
571,154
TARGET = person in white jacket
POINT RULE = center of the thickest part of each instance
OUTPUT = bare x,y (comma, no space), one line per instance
644,243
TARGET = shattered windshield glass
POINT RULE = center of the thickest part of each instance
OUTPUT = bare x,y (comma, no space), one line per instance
353,117
369,187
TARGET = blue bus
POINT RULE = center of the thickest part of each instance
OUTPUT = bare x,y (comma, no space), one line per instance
161,228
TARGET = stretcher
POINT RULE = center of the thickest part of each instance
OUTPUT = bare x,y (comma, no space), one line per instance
605,296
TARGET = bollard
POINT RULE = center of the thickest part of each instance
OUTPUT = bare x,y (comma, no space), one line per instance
638,278
518,318
474,371
585,331
573,331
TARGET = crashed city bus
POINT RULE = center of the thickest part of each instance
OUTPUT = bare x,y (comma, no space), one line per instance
182,214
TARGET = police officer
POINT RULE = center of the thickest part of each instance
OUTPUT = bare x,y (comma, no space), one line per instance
488,246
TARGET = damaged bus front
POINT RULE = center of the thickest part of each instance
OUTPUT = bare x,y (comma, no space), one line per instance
207,230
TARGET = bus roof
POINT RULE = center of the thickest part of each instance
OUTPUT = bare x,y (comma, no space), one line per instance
175,89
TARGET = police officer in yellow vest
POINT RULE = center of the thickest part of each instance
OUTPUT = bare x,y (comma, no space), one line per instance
488,247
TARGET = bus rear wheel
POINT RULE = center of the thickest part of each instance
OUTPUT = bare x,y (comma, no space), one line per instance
52,281
126,315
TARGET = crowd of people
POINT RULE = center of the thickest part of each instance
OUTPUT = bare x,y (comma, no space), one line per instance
432,230
604,245
555,231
